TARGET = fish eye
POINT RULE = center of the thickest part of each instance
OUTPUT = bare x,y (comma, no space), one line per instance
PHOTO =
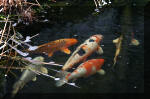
91,40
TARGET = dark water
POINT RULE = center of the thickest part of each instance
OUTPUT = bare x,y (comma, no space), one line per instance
128,74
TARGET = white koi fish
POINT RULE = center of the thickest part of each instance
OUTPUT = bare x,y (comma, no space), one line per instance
29,75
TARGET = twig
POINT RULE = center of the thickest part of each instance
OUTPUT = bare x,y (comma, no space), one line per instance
12,67
4,29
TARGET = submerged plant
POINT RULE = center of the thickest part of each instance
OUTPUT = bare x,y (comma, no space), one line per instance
19,8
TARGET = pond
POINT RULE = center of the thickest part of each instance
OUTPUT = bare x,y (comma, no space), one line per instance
79,22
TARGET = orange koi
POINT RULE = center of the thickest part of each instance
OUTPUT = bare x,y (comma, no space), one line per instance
51,47
85,69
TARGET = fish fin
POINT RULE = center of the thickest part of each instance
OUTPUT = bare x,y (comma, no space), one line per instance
116,40
101,72
34,79
66,50
50,54
100,50
84,47
44,70
62,75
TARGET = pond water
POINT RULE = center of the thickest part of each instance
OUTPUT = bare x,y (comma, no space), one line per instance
128,74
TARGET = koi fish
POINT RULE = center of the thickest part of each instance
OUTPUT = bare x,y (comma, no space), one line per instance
134,41
85,69
118,42
84,50
29,75
51,47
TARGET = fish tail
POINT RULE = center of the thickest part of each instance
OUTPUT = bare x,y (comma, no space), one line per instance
61,82
62,78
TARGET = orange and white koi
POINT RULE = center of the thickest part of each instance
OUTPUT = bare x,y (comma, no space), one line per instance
84,50
85,69
51,47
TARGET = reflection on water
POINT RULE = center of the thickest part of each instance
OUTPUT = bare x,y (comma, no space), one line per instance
129,78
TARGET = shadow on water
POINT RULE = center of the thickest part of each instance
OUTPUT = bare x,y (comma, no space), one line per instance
126,77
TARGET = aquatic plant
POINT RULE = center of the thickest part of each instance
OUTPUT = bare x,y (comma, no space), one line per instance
19,8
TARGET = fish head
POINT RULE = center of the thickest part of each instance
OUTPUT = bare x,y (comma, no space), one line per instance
97,38
71,41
